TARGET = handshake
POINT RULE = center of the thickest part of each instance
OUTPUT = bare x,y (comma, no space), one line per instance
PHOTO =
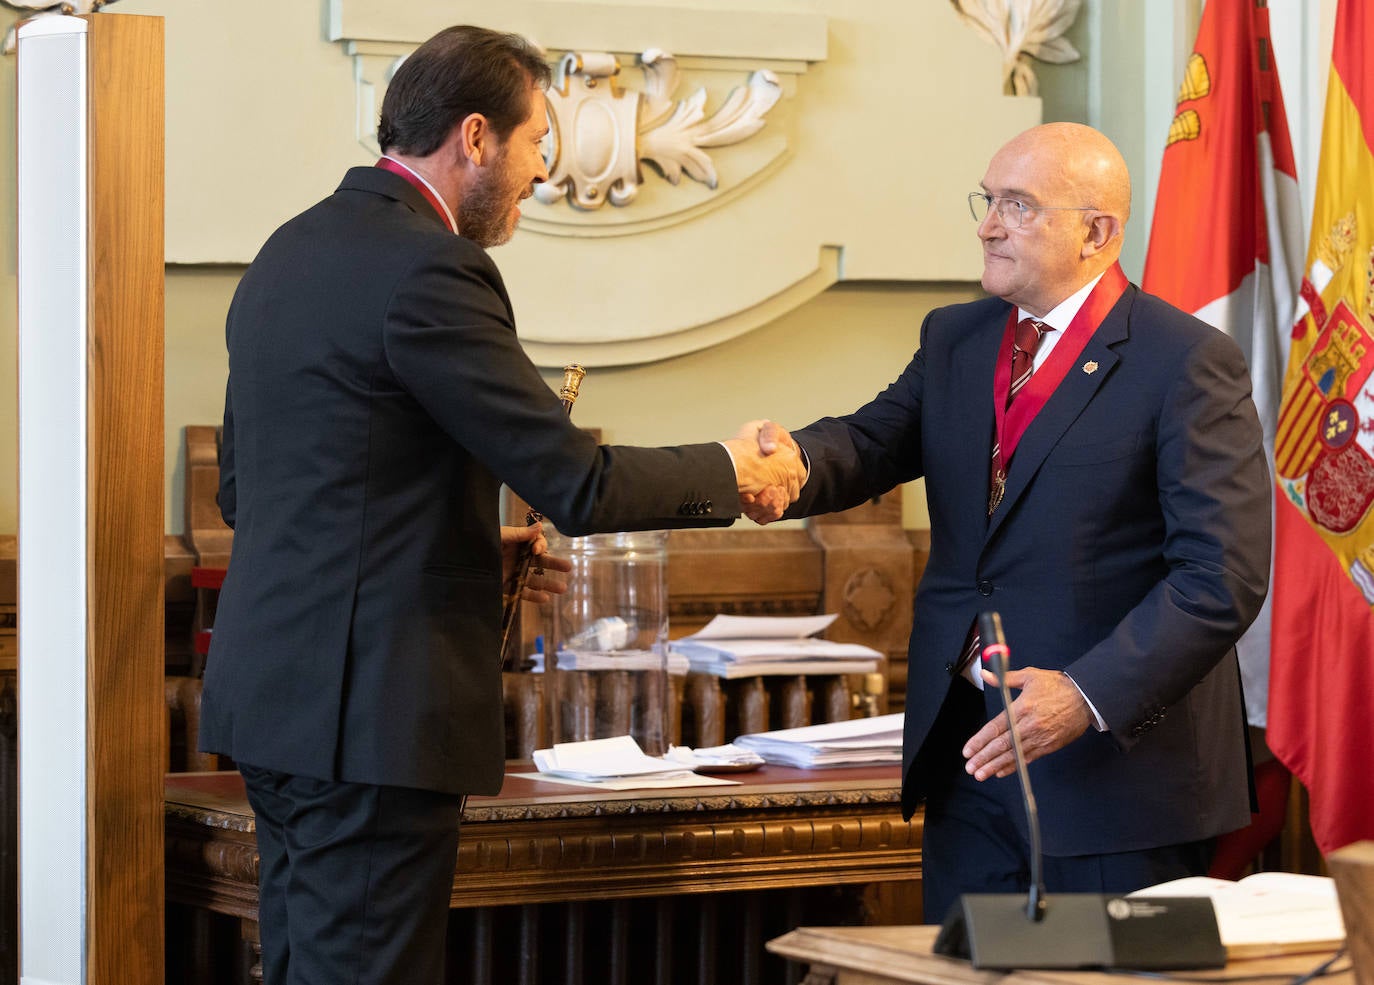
769,469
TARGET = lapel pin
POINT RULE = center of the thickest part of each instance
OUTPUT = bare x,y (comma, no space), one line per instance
1090,367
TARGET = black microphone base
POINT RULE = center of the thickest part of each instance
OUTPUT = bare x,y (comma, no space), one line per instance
1084,930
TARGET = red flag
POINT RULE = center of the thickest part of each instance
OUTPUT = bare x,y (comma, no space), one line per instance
1322,673
1226,243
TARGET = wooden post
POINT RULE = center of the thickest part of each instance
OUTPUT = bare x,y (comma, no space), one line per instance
1353,869
91,514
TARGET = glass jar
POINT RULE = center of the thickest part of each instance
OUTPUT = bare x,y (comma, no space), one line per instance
606,647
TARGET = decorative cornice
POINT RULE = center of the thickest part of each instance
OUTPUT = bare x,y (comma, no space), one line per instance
768,30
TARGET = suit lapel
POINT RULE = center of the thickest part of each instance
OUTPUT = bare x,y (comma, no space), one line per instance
1064,406
972,374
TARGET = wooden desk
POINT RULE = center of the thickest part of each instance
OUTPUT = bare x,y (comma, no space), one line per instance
902,956
547,874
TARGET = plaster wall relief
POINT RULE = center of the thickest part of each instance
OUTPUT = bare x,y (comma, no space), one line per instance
1022,30
600,131
714,164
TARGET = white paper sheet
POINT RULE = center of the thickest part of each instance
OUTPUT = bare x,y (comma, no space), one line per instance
762,627
633,783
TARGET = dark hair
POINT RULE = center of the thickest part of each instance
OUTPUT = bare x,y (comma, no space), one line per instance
460,71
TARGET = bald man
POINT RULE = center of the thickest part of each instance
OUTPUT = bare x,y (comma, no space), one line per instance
1095,475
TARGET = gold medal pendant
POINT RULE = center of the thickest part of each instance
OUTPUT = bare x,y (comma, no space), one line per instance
999,487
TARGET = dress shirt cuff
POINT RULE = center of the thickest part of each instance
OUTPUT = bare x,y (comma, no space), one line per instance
730,455
1098,723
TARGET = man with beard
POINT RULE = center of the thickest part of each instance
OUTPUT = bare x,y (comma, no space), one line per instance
377,398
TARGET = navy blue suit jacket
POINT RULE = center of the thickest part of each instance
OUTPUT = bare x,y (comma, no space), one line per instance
377,398
1131,551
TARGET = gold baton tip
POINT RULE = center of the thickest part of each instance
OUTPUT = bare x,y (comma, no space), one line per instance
572,382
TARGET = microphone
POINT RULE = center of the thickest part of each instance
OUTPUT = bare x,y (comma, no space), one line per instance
996,652
1077,930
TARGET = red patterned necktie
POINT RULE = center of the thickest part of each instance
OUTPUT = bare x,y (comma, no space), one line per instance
1025,341
1024,344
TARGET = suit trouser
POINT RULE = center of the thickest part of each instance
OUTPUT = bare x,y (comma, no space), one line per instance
354,880
972,844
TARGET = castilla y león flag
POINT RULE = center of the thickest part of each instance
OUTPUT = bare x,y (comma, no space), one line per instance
1321,696
1226,242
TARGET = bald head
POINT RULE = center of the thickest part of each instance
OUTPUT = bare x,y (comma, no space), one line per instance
1087,165
1077,197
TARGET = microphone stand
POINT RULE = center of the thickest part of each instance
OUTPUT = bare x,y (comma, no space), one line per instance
525,562
996,652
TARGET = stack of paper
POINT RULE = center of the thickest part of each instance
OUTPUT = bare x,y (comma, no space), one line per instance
613,764
602,759
752,646
858,741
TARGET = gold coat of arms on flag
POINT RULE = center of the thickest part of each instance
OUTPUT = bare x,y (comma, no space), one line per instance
1324,451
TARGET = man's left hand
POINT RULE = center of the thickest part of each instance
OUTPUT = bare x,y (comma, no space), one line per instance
1050,713
548,575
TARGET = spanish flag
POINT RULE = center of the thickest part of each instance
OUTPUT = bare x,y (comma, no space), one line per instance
1227,241
1321,689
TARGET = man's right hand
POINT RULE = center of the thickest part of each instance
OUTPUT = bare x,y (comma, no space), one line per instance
769,469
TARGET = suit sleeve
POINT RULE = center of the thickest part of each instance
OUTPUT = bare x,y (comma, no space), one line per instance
227,497
1215,497
866,453
450,339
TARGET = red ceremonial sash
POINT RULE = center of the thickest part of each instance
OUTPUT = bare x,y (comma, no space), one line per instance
1012,421
386,164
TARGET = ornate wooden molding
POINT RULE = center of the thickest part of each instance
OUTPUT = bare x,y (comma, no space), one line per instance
605,849
868,599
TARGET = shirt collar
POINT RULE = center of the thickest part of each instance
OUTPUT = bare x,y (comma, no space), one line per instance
448,213
1062,314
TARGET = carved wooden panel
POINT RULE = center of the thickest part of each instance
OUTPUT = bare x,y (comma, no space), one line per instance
871,571
816,828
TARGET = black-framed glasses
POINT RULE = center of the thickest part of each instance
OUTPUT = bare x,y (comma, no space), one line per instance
1011,212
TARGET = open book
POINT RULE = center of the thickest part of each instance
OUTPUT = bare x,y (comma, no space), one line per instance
1267,913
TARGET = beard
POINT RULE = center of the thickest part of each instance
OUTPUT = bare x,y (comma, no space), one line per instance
485,213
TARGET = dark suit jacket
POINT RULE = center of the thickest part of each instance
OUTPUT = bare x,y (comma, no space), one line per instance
377,398
1131,550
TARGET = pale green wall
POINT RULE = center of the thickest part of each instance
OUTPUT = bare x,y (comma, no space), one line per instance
824,358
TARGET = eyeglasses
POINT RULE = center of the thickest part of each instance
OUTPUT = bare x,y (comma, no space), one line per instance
1011,212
